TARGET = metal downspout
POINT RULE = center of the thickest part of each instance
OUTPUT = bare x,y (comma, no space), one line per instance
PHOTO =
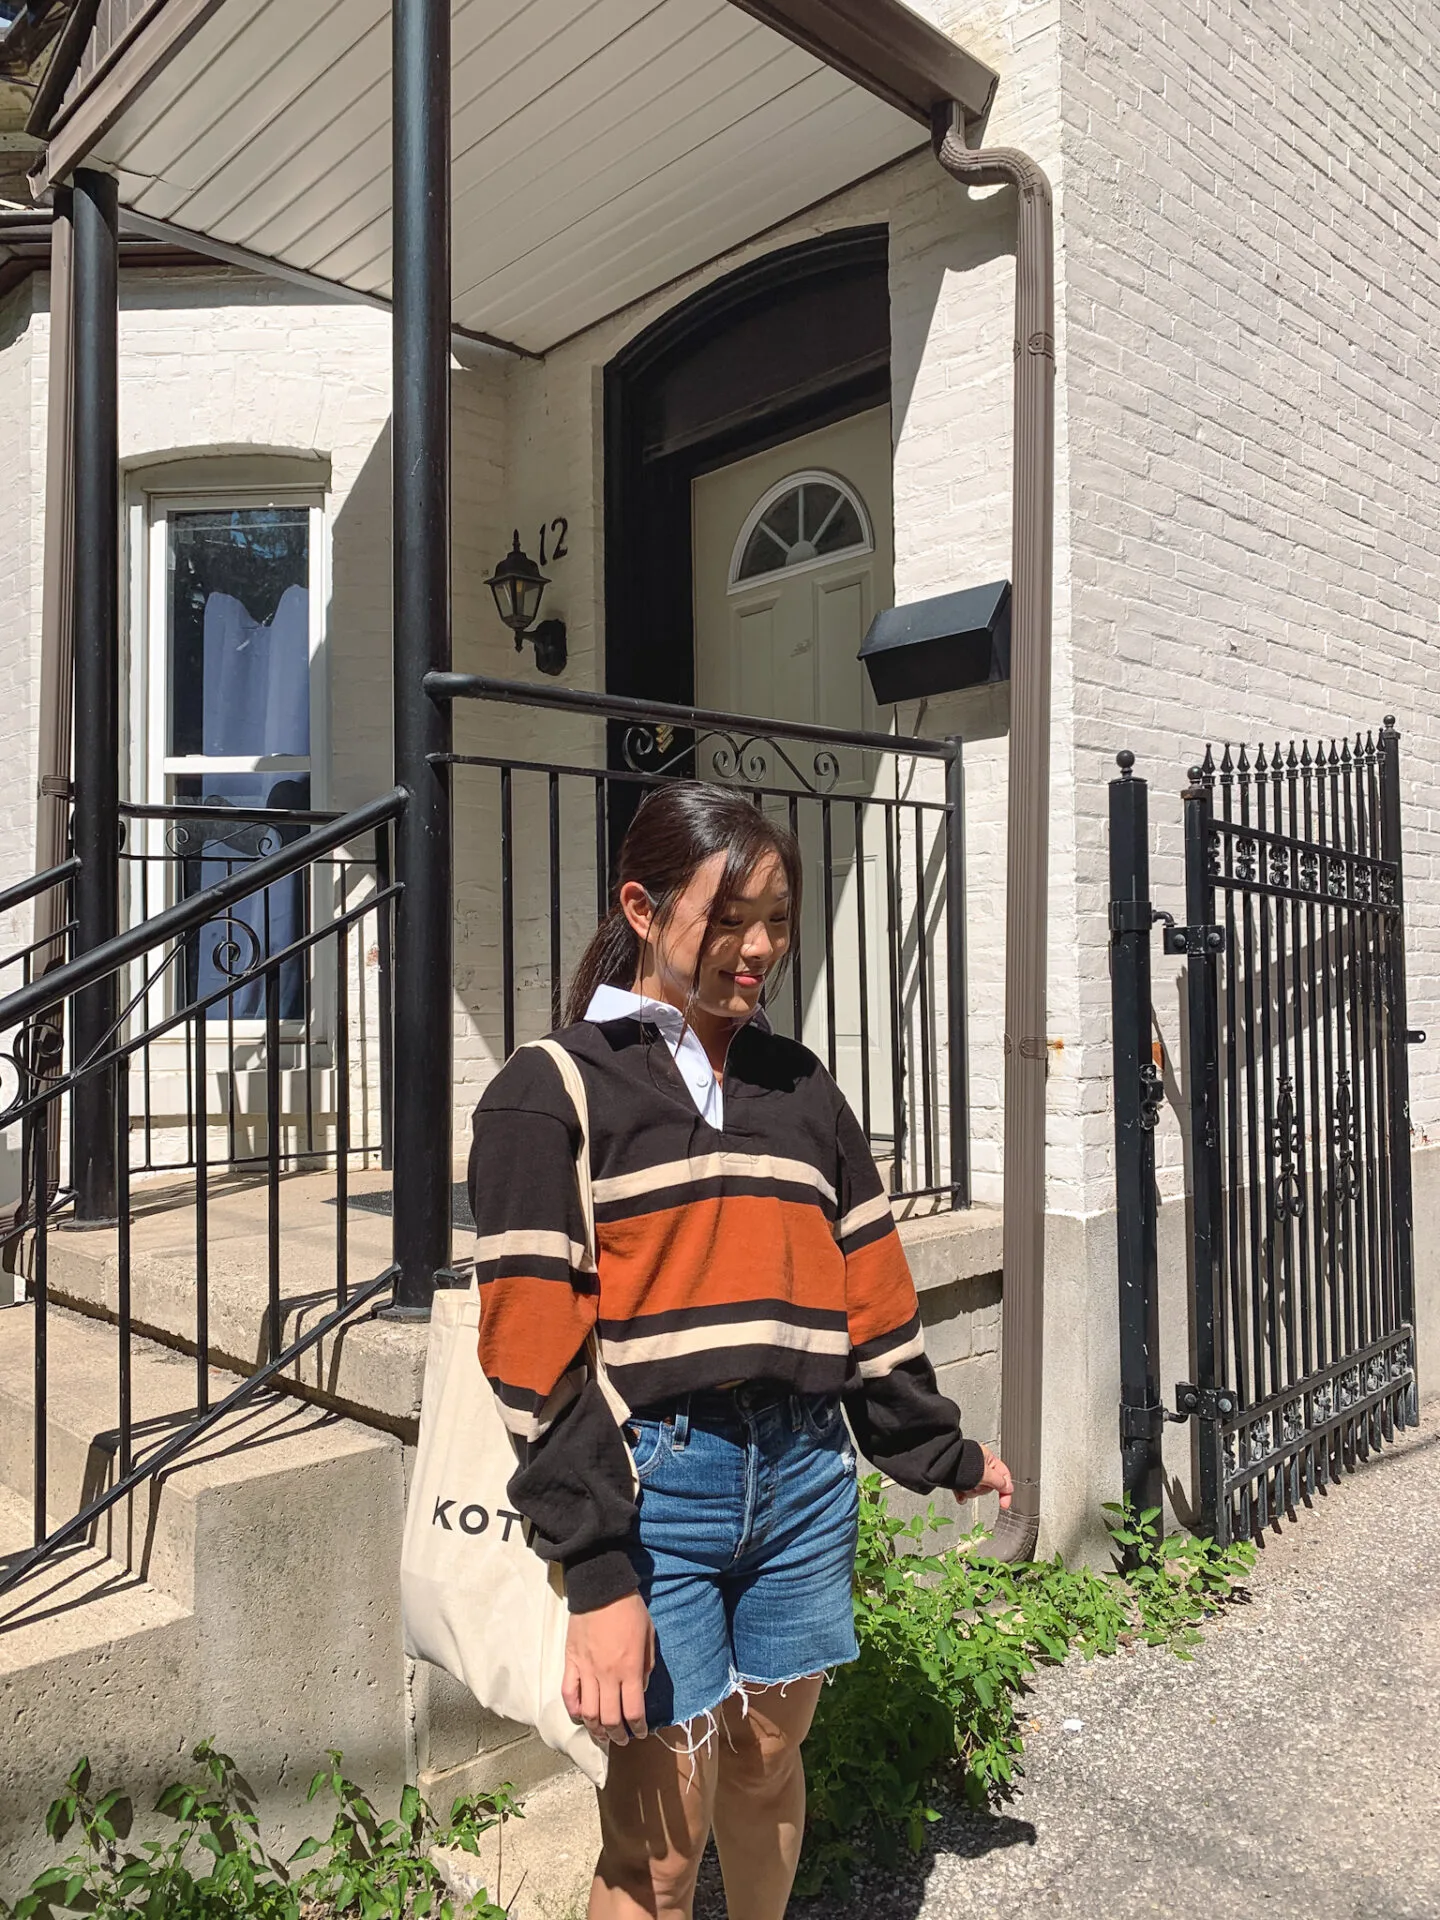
1027,834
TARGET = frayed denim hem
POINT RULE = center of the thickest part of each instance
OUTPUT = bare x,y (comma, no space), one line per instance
696,1734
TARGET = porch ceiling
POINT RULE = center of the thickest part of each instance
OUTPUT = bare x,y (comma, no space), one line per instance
600,147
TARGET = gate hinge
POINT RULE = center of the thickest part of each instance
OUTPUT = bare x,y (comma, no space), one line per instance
1194,942
1414,1036
1141,1423
1203,1403
1136,916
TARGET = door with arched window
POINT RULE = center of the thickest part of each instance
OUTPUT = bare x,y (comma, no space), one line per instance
792,558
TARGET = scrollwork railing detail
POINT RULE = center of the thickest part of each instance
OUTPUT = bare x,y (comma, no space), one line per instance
732,759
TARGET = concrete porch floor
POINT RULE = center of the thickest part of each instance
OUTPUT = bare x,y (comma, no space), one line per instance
374,1369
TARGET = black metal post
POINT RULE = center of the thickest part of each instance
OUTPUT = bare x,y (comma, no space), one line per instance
423,1046
96,818
1137,1088
1203,1008
957,1035
1401,1191
385,988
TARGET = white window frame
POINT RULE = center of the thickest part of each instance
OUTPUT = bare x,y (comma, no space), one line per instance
158,769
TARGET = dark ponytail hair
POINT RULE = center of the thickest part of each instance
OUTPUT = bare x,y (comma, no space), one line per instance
679,826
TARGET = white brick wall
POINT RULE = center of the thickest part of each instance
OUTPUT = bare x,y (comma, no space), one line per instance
22,464
22,431
1253,297
1246,509
952,292
224,362
221,362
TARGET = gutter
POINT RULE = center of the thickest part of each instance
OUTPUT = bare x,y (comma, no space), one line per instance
890,50
1028,811
25,247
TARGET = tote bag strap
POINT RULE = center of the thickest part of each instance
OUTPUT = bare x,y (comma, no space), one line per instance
574,1085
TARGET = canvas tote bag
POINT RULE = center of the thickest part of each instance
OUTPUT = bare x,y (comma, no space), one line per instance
476,1599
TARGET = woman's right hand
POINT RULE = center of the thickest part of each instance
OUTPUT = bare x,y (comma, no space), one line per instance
996,1478
608,1657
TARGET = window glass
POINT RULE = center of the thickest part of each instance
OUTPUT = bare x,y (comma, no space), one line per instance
814,518
210,851
238,594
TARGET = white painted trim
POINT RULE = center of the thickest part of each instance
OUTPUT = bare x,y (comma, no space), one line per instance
153,769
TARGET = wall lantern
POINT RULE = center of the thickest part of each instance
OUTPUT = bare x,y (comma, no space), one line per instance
944,645
518,586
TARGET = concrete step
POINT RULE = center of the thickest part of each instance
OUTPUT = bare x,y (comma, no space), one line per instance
81,1430
372,1371
265,1445
249,1594
84,1603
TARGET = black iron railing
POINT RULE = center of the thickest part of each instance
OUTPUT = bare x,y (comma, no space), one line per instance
172,853
1303,1293
41,1045
156,953
876,984
22,894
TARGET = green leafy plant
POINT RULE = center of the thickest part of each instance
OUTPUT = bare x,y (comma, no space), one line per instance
947,1643
215,1866
381,1870
929,1711
1175,1581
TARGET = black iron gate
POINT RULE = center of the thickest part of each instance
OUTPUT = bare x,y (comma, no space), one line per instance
1302,1276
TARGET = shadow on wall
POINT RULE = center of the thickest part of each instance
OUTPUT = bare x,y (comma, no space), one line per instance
360,679
984,236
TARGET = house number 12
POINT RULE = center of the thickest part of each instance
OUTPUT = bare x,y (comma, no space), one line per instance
561,530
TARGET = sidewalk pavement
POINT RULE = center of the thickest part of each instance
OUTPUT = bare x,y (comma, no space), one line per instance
1291,1769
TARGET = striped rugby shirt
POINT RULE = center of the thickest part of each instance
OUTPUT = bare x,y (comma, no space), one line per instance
764,1250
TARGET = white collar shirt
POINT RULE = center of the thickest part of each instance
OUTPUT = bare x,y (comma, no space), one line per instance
701,1080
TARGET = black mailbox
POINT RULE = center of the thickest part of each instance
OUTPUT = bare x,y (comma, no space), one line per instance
942,645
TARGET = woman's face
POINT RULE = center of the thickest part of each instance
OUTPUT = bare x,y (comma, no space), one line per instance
750,938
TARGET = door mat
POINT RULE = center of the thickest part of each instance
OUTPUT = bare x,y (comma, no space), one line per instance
384,1202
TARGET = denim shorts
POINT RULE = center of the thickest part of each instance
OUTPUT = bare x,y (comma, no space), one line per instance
744,1544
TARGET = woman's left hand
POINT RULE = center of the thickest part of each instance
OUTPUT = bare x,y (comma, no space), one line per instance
996,1478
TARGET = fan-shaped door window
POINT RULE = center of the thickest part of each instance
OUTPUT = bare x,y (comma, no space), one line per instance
805,520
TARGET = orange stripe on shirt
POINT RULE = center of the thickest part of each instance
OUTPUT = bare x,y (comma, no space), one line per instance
531,1331
879,1290
716,1250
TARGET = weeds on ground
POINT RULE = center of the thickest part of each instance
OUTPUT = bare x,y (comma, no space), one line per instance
929,1710
215,1866
947,1643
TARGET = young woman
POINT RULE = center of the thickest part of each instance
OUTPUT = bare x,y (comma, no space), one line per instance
750,1280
